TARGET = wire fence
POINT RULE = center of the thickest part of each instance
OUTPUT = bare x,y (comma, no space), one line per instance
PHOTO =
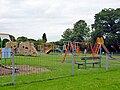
25,68
16,68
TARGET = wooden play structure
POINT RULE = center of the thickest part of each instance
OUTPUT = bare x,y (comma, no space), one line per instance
27,48
23,48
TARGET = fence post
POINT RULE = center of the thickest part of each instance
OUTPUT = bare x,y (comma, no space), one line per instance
73,54
13,69
107,58
73,64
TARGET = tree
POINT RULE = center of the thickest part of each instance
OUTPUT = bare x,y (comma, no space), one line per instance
44,38
66,34
81,31
12,38
32,40
107,25
22,39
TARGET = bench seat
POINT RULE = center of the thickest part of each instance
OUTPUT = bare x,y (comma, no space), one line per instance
97,60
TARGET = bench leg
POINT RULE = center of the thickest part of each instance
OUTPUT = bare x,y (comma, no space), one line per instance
78,66
100,64
93,65
85,64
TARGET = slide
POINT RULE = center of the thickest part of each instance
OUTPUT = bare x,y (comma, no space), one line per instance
106,50
51,50
48,51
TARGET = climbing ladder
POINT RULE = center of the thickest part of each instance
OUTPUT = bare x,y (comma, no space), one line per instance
97,48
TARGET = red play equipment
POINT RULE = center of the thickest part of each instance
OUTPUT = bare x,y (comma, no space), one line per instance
70,46
94,50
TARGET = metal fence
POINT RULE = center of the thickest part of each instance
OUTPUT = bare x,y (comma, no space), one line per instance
26,68
112,62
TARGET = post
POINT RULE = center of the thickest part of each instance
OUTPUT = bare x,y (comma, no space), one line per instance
85,61
100,50
107,58
100,54
13,69
72,59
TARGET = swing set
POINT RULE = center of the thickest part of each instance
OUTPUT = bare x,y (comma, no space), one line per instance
94,50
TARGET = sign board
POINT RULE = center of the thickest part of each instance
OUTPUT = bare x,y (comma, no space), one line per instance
6,52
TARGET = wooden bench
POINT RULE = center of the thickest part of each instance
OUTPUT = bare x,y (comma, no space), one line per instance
96,60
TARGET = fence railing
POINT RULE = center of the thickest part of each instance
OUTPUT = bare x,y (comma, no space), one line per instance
26,68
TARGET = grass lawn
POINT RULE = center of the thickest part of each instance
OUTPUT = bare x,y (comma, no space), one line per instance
84,79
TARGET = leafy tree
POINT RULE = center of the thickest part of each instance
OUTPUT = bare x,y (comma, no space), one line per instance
67,34
12,38
32,40
44,38
22,39
39,42
80,32
107,25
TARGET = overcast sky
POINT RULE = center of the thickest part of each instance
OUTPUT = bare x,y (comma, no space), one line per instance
32,18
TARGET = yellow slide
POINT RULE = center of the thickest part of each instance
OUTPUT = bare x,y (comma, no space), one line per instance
106,50
97,48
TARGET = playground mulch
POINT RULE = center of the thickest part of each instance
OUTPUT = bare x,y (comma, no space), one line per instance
115,59
22,69
26,69
5,71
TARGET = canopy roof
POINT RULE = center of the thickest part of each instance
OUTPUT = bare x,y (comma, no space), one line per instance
4,36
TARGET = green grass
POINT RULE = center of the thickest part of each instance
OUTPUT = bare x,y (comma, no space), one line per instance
84,79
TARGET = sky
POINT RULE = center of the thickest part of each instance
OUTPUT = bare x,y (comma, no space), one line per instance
32,18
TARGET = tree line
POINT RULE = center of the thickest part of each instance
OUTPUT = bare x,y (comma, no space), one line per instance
106,25
24,39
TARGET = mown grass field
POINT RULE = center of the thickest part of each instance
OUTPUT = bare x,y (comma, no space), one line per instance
84,79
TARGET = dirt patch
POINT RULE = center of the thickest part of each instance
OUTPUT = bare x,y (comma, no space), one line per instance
26,69
22,69
115,59
4,71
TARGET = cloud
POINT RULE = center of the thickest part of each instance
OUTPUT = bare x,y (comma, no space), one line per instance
32,18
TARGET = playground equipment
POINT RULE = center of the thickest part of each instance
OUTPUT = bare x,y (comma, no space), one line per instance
49,50
24,48
52,48
70,46
98,45
27,48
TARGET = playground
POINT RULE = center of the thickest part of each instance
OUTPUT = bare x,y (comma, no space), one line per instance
22,63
